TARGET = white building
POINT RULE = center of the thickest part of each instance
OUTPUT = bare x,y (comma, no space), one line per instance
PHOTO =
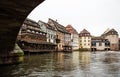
85,40
67,39
99,44
51,32
74,37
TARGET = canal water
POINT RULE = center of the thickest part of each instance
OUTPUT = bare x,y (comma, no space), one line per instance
75,64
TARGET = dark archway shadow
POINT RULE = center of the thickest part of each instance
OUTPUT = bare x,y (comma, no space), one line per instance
12,15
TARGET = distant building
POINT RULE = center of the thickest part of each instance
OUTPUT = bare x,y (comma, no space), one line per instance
74,37
62,34
51,31
99,44
84,40
112,36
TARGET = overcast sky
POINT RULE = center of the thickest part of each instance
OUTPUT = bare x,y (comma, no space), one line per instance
94,15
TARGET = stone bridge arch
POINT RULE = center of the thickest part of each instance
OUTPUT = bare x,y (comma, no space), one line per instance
12,15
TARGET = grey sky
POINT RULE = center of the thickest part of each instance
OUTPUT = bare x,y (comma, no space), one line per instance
94,15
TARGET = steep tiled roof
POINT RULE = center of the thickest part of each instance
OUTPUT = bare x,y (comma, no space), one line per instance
47,25
112,31
50,27
58,26
106,31
84,31
71,29
31,22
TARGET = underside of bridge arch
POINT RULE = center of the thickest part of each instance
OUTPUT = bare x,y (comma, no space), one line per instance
12,15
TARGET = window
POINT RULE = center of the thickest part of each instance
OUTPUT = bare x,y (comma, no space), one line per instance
107,44
80,40
84,40
28,30
100,44
93,43
40,33
112,32
43,33
84,44
59,45
33,31
37,32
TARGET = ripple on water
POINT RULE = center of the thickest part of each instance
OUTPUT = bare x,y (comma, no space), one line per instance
76,64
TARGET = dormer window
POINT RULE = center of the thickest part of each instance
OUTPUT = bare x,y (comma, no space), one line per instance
37,32
112,32
28,30
33,31
40,33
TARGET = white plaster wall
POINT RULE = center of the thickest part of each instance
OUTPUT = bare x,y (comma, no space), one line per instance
98,47
75,42
51,34
85,42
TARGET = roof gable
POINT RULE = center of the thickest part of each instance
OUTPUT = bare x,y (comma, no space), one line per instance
71,29
58,26
84,31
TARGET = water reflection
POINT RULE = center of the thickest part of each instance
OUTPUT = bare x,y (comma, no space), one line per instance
76,64
85,58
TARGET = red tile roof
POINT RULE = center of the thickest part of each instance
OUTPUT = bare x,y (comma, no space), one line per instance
71,29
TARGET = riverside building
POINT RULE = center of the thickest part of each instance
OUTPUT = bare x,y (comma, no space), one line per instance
99,44
85,40
51,31
63,36
113,37
32,39
74,37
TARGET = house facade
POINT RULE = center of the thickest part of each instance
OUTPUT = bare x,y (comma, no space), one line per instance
85,40
99,44
67,41
32,39
31,31
74,37
51,32
43,26
59,33
113,37
62,34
